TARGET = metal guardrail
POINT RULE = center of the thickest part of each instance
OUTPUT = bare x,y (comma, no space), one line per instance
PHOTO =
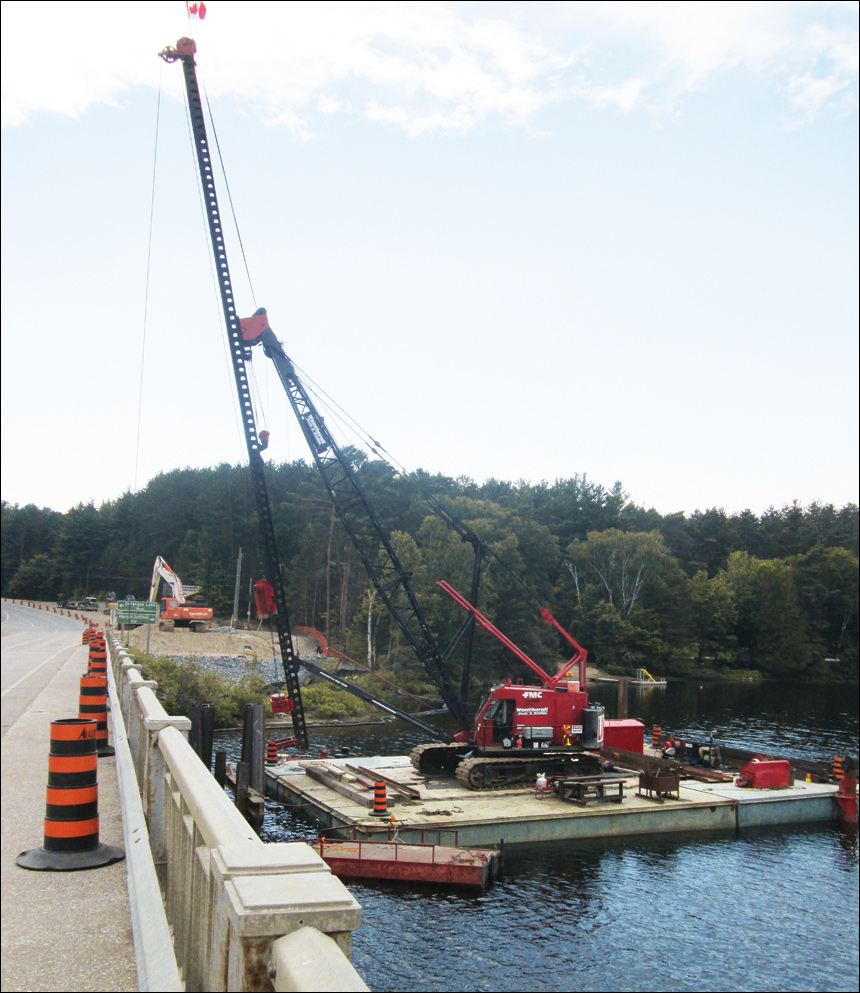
243,915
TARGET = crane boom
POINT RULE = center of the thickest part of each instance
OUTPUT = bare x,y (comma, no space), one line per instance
185,51
390,579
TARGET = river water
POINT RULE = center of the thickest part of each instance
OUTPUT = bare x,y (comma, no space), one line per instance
773,909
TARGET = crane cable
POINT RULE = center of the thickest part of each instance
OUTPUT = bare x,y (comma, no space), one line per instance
146,286
256,399
367,438
252,377
432,501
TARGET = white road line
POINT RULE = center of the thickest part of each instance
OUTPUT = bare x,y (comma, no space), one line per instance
39,666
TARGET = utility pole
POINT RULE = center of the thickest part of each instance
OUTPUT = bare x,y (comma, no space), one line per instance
235,616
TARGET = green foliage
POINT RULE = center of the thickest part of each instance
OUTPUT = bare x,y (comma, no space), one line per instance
322,701
827,586
186,684
770,626
35,579
626,598
776,593
713,616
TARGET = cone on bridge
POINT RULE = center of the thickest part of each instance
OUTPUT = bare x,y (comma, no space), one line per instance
93,704
71,832
97,660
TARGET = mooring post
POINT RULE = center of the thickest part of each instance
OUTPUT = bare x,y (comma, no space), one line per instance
623,693
202,732
221,768
242,784
253,745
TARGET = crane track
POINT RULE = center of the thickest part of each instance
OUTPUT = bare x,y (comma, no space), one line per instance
435,758
487,773
497,772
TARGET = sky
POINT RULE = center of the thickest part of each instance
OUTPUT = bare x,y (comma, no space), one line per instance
521,241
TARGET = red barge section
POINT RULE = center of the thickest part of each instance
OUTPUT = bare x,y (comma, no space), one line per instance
477,868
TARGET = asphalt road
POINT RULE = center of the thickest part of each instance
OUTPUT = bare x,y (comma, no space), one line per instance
35,644
60,930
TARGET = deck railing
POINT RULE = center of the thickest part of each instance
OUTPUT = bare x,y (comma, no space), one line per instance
228,897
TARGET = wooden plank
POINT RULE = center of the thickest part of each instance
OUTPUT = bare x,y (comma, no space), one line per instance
376,775
333,783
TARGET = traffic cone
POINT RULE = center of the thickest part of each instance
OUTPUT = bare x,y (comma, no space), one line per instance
97,664
71,834
380,802
93,705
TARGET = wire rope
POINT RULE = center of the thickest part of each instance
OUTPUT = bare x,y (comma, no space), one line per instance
434,503
227,360
230,198
146,287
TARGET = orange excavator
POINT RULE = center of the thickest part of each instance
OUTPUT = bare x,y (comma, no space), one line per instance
177,610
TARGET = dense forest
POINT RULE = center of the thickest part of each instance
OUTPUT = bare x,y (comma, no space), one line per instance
697,595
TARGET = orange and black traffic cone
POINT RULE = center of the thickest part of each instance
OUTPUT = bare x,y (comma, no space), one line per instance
93,704
380,801
71,834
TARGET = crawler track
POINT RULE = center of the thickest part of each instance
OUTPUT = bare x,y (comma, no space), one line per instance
491,773
435,759
496,772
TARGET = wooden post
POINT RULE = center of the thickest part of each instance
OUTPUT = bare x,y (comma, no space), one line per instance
623,693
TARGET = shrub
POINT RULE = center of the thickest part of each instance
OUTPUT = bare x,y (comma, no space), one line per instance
183,684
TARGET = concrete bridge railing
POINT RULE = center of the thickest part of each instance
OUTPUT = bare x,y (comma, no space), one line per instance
244,915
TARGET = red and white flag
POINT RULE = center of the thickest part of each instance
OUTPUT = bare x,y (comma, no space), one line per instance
197,10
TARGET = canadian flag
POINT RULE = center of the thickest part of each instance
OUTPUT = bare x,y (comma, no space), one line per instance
196,9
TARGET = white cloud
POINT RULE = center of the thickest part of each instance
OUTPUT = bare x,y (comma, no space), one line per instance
809,51
430,66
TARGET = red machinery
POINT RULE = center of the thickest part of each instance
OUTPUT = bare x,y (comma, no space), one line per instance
515,721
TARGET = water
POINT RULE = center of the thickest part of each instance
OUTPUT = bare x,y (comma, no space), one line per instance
775,909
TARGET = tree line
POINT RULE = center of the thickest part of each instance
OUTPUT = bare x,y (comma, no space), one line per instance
695,595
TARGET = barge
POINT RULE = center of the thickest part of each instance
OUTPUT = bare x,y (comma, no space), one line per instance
439,810
475,868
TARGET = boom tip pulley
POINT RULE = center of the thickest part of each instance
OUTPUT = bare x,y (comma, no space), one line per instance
186,48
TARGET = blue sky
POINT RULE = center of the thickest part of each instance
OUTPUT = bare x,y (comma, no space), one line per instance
519,241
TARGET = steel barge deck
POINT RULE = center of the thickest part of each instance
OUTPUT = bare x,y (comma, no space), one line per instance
438,810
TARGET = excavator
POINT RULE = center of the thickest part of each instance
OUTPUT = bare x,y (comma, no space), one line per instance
177,611
518,727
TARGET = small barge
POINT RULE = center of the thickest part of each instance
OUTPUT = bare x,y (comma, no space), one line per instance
413,861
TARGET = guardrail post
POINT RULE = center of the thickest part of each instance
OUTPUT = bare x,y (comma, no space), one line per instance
152,781
265,892
124,686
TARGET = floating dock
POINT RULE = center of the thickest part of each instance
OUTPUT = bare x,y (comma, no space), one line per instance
438,810
475,868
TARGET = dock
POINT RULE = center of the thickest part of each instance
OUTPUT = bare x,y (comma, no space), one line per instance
438,810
